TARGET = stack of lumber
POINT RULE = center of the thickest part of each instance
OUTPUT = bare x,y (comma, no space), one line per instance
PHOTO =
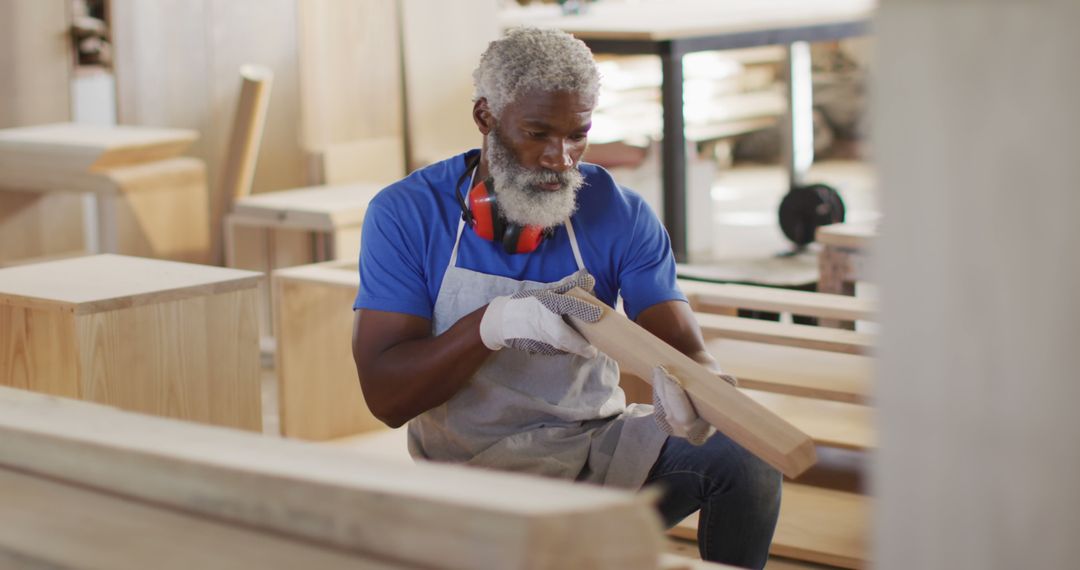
818,381
87,486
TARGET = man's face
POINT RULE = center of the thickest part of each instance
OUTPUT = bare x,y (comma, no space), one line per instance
533,153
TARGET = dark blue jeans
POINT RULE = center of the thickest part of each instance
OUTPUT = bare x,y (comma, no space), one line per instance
738,494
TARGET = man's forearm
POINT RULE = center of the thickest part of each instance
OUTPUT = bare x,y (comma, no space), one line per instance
414,376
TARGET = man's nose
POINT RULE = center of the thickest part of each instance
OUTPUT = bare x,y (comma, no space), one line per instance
556,157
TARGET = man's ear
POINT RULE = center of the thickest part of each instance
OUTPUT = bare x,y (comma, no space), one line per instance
482,116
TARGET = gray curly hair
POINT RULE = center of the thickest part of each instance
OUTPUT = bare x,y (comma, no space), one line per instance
529,59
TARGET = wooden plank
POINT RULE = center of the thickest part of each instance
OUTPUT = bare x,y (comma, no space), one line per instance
81,147
832,424
49,524
816,524
796,371
37,32
745,421
106,282
464,518
802,336
708,297
318,390
388,444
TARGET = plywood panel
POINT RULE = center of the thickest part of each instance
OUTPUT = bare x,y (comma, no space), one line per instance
36,59
350,71
319,390
439,90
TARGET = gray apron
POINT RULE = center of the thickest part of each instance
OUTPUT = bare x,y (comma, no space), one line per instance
559,416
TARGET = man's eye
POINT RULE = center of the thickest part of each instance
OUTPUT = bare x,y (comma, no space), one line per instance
535,134
579,137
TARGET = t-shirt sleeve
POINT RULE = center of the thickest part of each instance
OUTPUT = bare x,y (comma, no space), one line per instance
647,270
392,276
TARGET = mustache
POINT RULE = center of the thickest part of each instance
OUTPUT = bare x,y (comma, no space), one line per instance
545,176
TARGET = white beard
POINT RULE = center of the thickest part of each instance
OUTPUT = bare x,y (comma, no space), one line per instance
520,200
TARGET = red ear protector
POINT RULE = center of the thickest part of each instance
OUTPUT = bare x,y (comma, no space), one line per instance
483,216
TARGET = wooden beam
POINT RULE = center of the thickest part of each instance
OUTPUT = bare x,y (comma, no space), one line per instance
804,336
437,516
709,297
796,371
832,424
45,523
745,421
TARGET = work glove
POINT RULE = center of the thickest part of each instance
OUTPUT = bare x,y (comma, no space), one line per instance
673,410
533,320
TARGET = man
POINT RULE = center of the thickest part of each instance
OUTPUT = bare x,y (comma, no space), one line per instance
464,337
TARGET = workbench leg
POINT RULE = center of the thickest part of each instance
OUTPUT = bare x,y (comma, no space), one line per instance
673,153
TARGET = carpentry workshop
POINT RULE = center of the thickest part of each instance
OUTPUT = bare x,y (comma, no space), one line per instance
539,284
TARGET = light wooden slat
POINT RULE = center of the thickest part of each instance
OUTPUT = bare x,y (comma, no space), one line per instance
464,518
816,524
833,424
748,423
796,371
48,524
803,336
706,297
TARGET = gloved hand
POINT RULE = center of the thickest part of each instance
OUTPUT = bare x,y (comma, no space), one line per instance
533,320
673,410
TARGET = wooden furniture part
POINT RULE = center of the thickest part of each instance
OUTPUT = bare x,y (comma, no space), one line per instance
796,371
816,524
677,27
745,421
428,515
844,256
139,197
158,337
274,230
726,298
318,389
786,334
243,150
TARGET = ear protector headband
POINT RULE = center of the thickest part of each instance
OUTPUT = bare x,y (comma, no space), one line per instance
483,216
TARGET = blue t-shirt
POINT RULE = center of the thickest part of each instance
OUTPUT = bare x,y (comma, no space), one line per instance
410,226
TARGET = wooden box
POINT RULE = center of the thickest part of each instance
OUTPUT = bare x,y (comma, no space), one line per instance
159,337
319,391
